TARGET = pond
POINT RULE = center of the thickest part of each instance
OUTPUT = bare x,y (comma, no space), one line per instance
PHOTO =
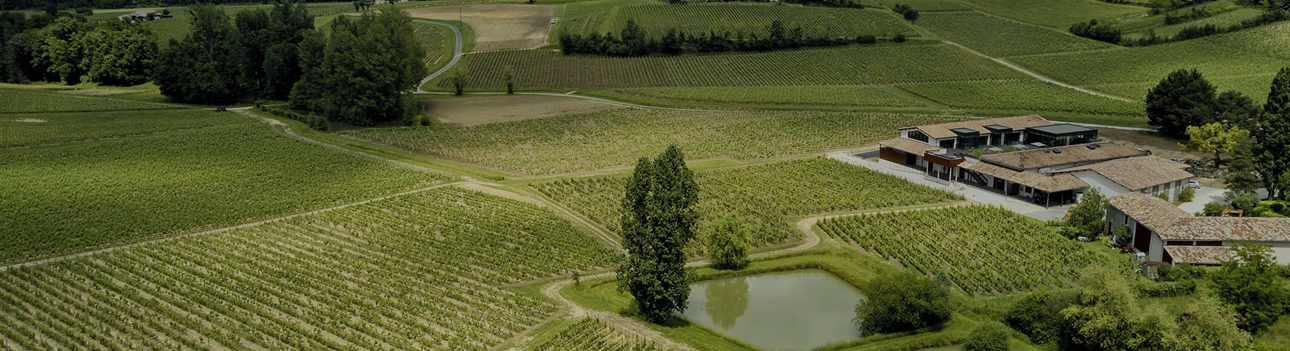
795,310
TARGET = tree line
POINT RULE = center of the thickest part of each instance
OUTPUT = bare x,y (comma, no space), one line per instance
67,48
8,5
632,40
1184,102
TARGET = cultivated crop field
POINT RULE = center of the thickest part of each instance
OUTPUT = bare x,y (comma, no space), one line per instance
850,65
1023,96
985,33
749,19
417,271
764,196
593,334
983,250
81,195
1058,14
496,26
814,95
53,128
1221,20
437,42
33,101
925,6
618,138
473,111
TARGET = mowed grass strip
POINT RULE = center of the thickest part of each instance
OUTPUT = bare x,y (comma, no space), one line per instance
421,271
1000,37
14,101
868,96
753,19
1029,96
763,196
82,195
50,128
617,138
850,65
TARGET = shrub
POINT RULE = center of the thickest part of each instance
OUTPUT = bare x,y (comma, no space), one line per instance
1096,31
1181,272
1187,194
988,336
727,242
314,121
900,302
1213,209
899,38
1038,315
866,39
1165,289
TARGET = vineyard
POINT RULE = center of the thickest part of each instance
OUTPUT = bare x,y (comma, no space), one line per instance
814,95
850,65
983,32
983,250
593,334
614,138
413,272
658,18
926,6
1031,96
82,195
1270,40
438,44
32,101
53,128
1221,20
1058,14
764,196
1246,71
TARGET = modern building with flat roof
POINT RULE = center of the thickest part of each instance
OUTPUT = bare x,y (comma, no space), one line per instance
1030,158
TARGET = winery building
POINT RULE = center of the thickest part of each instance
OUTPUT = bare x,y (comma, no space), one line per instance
1170,235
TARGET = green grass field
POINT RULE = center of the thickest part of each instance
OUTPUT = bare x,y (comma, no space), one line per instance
983,250
851,65
419,271
764,196
1059,14
36,101
658,17
617,138
81,195
999,37
51,128
808,95
1023,96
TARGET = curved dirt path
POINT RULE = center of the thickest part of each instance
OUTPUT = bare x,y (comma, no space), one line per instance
456,53
1038,76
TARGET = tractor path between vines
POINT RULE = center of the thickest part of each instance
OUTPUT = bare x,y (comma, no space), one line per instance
1037,75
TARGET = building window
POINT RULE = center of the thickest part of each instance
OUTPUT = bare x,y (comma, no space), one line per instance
918,135
946,144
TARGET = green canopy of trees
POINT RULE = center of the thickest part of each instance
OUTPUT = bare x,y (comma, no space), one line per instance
1184,98
203,67
1274,137
1251,284
658,221
1215,138
727,243
900,302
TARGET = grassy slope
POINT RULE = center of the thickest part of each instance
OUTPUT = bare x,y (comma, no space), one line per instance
79,195
1000,37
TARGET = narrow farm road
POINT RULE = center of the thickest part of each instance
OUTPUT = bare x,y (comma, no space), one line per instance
584,97
456,52
1038,76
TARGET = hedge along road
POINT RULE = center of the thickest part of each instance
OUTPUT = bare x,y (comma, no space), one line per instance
456,52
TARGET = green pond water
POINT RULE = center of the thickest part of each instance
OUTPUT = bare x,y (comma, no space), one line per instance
795,310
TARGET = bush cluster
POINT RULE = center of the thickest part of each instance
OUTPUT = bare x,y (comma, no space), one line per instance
314,121
1096,31
1165,289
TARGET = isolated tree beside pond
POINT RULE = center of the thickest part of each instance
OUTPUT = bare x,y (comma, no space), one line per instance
727,243
900,302
658,222
987,336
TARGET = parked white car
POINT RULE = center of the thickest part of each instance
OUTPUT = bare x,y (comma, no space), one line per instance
1193,184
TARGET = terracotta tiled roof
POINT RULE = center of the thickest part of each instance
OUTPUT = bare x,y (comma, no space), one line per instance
1137,173
908,145
1152,212
1016,123
1171,223
1199,254
1055,156
1053,183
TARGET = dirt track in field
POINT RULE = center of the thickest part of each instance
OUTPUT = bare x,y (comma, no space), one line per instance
497,27
473,111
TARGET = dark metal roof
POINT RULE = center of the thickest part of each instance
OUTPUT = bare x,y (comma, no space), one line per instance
965,131
995,128
1061,129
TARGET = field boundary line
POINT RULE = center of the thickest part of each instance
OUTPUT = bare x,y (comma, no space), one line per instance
1038,76
456,55
108,249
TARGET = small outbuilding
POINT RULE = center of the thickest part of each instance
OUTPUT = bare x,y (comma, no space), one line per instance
1170,235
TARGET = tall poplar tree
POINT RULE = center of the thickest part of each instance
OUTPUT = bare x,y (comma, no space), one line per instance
658,222
1274,136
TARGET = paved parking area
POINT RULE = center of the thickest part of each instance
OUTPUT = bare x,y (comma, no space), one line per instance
971,193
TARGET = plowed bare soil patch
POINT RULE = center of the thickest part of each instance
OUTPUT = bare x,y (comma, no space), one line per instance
497,26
